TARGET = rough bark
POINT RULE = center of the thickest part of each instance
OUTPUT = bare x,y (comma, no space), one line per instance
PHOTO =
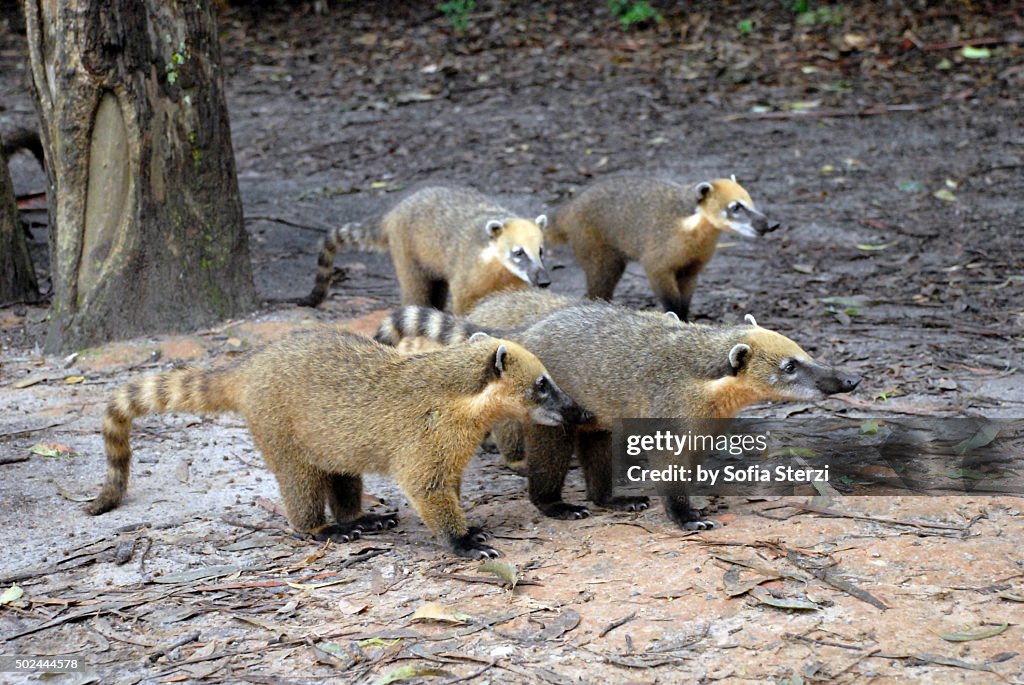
17,277
146,231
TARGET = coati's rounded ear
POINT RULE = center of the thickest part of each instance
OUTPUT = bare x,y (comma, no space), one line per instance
542,221
702,191
749,318
479,335
494,227
672,315
500,360
738,356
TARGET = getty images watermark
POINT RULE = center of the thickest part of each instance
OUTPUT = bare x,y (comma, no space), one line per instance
757,457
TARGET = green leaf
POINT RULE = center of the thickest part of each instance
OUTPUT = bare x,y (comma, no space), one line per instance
971,52
408,672
945,195
970,474
869,427
745,26
909,186
503,570
872,248
976,634
11,594
985,435
855,301
944,65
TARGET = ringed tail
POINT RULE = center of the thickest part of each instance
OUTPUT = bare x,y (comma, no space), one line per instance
424,322
197,391
353,234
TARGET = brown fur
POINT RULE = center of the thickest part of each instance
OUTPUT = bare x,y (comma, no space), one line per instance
441,240
325,407
672,230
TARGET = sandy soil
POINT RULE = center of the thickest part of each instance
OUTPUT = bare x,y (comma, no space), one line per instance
196,579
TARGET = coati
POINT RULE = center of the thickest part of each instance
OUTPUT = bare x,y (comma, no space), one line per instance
671,229
655,367
446,238
325,407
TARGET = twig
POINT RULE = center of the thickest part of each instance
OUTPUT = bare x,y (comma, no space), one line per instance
486,667
180,642
825,511
15,459
1013,39
286,222
477,579
616,624
829,113
26,431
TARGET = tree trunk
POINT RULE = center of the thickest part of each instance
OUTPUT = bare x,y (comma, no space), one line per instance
17,278
146,231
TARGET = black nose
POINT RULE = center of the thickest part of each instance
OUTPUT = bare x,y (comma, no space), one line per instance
848,382
541,279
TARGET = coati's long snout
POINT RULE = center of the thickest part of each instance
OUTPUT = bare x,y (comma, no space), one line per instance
830,380
554,407
539,276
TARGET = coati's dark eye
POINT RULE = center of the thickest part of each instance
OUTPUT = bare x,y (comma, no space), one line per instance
789,367
541,387
734,207
540,251
519,252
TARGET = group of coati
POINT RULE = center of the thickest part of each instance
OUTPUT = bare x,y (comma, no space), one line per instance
325,407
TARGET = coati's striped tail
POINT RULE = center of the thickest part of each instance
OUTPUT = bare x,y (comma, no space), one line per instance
354,235
187,390
423,322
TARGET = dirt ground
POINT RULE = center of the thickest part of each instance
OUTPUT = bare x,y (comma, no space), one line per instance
891,154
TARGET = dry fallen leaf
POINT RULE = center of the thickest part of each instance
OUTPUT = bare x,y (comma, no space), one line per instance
435,611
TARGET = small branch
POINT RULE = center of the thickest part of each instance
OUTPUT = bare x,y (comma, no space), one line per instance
1012,39
180,642
616,624
829,113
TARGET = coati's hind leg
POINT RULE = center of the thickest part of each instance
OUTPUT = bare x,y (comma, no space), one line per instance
304,491
594,449
416,287
439,294
344,497
548,452
603,268
508,436
666,289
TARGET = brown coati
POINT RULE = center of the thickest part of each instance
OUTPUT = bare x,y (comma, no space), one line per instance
655,367
325,407
446,238
671,229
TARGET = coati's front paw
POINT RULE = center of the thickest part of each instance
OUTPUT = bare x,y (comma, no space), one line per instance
337,532
471,545
626,503
565,511
688,517
371,522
